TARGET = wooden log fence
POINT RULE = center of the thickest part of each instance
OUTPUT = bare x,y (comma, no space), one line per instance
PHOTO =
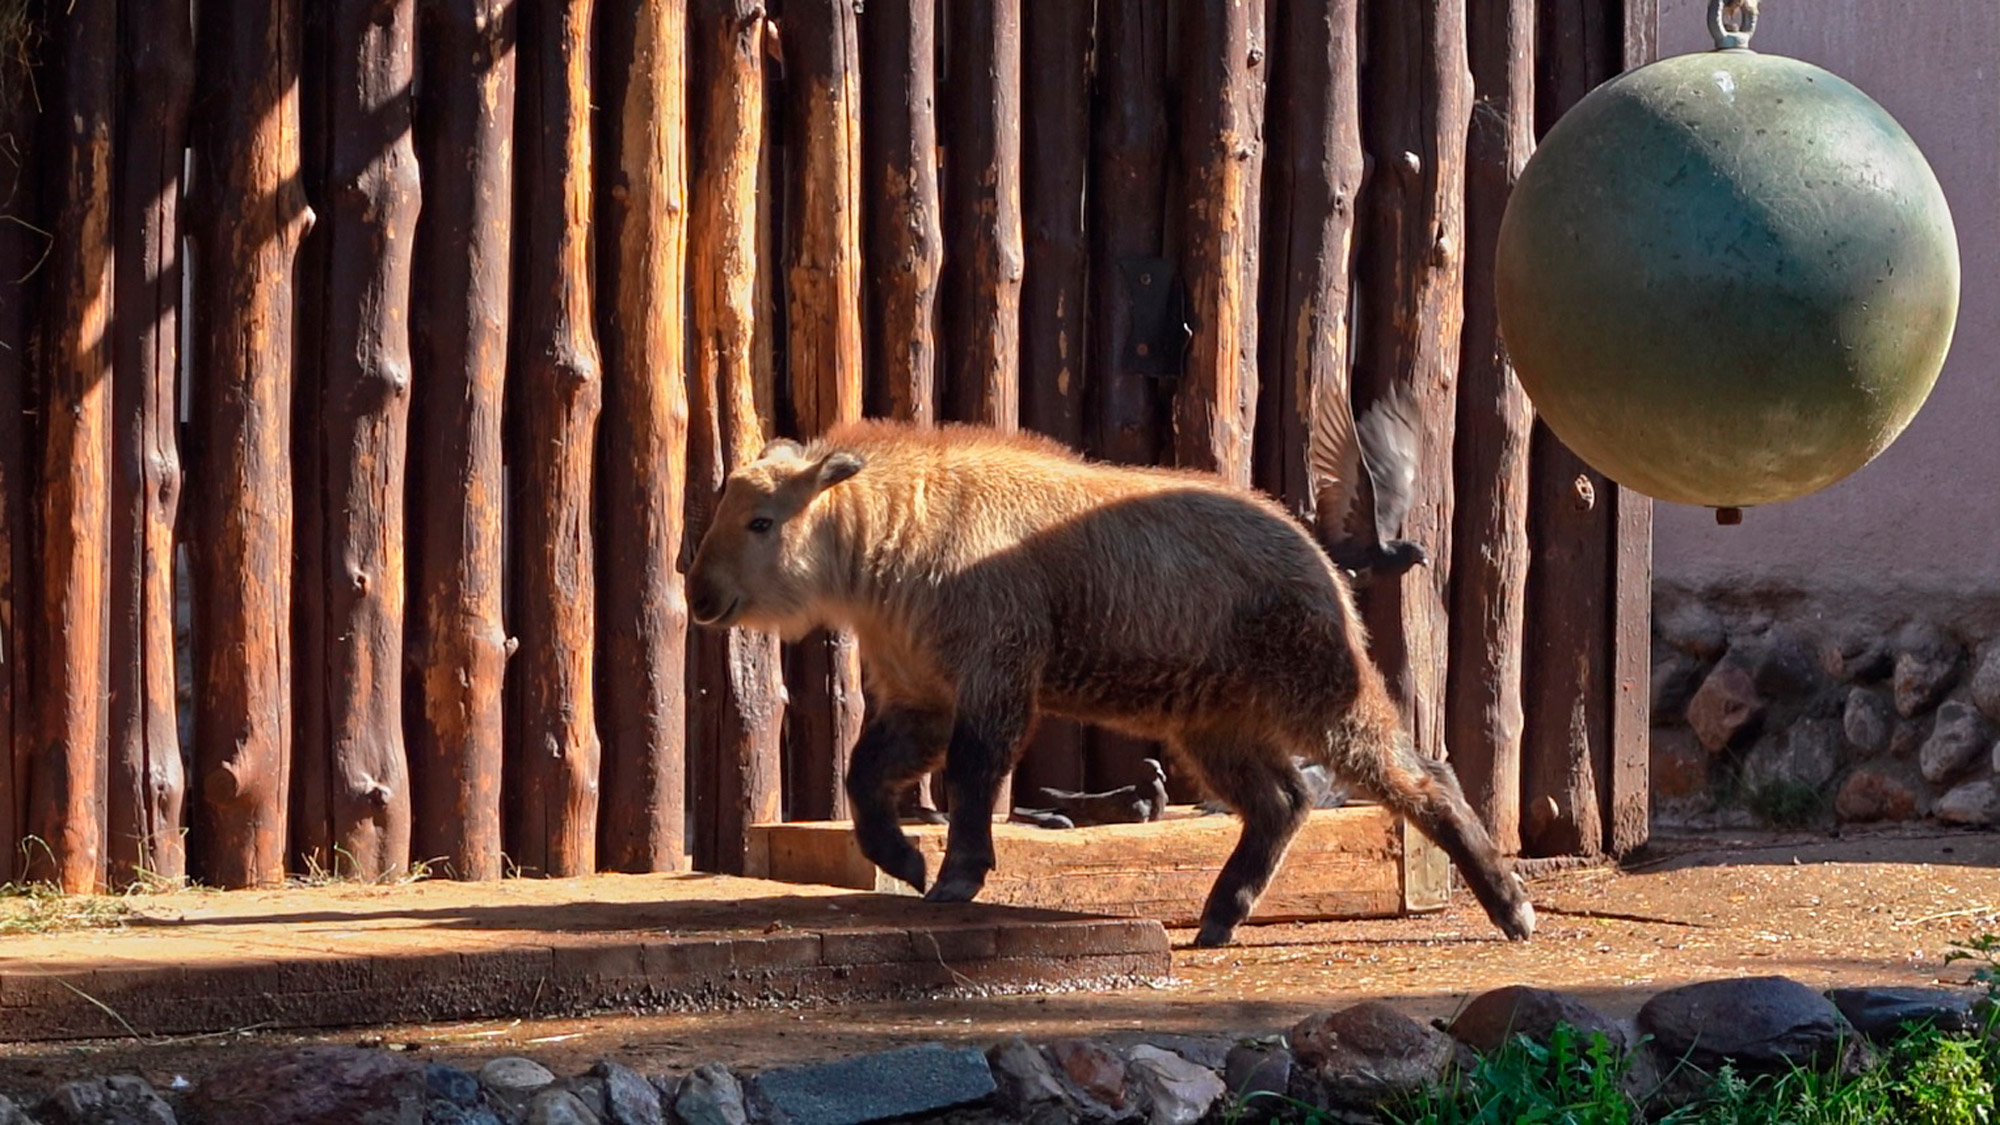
548,297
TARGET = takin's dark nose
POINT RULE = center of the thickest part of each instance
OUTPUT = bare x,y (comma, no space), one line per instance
706,604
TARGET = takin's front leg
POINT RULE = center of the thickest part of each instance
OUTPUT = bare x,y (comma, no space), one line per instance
989,730
897,746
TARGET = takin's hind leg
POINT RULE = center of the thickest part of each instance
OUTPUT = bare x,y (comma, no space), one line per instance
896,747
1266,791
1370,748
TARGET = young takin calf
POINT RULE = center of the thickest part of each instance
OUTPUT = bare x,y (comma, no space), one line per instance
990,579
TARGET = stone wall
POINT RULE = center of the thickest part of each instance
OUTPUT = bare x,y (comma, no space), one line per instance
1773,713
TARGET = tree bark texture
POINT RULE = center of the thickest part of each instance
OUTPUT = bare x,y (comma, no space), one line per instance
1127,204
1416,99
1484,719
553,725
22,251
460,646
982,275
1313,180
68,776
1055,135
824,360
249,225
147,784
738,710
905,242
1222,114
372,200
643,273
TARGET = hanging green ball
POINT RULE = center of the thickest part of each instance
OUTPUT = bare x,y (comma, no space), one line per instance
1727,278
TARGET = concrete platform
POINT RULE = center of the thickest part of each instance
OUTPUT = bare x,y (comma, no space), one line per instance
195,962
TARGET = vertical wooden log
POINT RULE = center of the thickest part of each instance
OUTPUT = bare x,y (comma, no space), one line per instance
22,247
464,132
738,698
823,78
372,196
1127,202
643,274
1314,179
143,804
1222,109
251,218
1484,720
1055,129
553,725
905,242
1416,98
1126,409
982,275
1628,793
69,772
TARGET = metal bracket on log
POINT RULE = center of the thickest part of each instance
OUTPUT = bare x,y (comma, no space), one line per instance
1157,339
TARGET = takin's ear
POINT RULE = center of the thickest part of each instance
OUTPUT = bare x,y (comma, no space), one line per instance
838,466
784,447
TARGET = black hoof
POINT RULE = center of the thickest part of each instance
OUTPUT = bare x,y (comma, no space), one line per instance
955,888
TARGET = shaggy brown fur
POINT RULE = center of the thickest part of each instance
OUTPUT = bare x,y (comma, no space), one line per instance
990,579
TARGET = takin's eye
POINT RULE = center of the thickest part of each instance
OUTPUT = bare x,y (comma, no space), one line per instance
760,525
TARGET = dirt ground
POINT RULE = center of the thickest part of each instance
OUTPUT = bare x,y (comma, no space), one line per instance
1873,908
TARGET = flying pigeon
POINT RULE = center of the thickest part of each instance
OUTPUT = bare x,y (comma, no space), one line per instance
1363,478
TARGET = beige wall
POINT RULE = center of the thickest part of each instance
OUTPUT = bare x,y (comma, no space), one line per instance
1920,527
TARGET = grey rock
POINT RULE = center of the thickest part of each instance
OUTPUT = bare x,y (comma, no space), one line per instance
318,1085
1858,656
1928,664
1366,1055
121,1099
711,1096
1177,1091
1780,662
1497,1016
1255,1072
11,1114
1203,1050
1727,709
513,1081
1880,791
590,1091
1807,753
1025,1087
1909,736
1986,681
1974,803
1868,720
927,1078
628,1098
1692,628
1675,678
440,1112
1764,1025
1961,737
560,1107
451,1084
1882,1013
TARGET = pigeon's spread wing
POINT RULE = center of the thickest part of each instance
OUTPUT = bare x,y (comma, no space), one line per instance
1333,454
1388,434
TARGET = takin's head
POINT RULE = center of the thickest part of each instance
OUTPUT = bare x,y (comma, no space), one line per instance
756,565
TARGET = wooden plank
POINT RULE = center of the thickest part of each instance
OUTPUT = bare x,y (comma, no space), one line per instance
464,135
552,727
824,360
1628,789
738,698
21,253
249,222
68,775
1345,863
905,241
1483,721
1424,869
642,260
147,785
1313,180
1222,99
1055,128
982,275
370,226
1416,100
